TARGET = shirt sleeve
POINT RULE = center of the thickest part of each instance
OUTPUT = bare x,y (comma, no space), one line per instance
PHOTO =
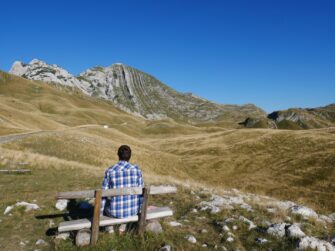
105,185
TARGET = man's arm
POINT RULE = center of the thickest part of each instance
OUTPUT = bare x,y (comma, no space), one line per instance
105,185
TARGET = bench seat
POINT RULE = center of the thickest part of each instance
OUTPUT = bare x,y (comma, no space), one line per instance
153,213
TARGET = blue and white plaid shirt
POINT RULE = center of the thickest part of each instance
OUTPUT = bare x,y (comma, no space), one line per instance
122,174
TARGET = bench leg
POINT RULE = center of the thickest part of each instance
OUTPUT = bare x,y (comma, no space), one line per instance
96,218
143,213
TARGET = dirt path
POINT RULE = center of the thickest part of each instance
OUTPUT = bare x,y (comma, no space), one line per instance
9,138
12,137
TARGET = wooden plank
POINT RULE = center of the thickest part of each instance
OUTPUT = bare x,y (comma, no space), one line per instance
116,192
96,218
143,212
154,213
15,170
122,191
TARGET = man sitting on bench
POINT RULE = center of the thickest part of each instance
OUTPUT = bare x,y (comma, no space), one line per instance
122,174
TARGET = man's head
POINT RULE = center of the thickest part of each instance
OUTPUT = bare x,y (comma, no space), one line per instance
124,153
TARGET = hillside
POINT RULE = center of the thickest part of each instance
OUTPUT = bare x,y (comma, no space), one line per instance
76,137
138,93
295,118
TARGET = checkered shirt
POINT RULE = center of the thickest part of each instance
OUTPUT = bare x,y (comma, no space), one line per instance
122,174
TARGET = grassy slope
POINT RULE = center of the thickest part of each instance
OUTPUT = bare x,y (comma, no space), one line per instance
297,165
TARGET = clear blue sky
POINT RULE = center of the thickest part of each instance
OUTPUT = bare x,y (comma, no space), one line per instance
275,54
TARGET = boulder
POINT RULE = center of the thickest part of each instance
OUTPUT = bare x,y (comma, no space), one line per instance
314,243
61,204
277,230
294,231
303,211
83,238
154,226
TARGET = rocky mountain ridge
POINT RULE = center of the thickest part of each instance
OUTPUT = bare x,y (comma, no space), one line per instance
295,118
137,92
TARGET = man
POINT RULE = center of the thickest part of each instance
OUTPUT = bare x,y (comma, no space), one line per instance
122,174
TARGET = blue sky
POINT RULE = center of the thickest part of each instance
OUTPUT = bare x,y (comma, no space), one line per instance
275,54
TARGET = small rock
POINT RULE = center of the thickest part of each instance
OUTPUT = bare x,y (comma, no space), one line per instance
332,216
165,248
191,238
194,210
261,240
154,226
294,231
235,227
225,228
249,222
303,211
284,205
204,245
8,209
41,242
204,231
230,239
106,126
61,204
22,243
314,243
109,229
175,224
51,223
62,236
28,206
271,210
277,230
325,219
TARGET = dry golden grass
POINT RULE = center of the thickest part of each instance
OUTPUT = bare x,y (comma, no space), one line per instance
295,165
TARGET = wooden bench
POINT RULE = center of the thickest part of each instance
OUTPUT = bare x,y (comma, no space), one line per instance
97,221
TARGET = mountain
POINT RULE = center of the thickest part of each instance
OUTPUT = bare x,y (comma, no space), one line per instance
138,93
295,118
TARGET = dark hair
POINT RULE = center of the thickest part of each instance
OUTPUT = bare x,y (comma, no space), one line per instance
124,152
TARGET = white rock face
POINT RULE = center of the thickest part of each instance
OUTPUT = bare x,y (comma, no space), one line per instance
61,204
294,231
303,211
277,230
191,238
314,243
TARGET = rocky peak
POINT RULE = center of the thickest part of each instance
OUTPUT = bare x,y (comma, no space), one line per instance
137,92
